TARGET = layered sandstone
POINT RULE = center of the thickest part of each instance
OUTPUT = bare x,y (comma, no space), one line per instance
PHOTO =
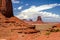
6,8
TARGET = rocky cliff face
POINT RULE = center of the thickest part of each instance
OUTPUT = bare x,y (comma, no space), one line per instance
13,26
6,8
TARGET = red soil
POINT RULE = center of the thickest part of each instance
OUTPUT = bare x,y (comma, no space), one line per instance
37,36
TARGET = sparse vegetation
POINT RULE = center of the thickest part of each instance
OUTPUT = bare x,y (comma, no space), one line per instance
52,30
48,33
57,30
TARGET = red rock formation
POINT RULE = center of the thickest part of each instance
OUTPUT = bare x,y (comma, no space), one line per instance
57,25
31,20
38,21
39,18
6,8
24,19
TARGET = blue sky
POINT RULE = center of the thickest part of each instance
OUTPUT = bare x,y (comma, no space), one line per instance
49,10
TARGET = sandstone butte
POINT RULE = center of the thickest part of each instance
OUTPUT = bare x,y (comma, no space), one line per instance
12,28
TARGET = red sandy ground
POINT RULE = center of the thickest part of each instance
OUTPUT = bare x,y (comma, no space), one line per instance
36,36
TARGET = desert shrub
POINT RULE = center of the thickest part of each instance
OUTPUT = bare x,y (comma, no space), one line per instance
57,30
48,33
52,30
54,27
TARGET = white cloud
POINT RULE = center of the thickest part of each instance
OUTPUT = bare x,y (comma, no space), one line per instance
19,8
26,4
40,8
27,15
15,1
51,19
34,11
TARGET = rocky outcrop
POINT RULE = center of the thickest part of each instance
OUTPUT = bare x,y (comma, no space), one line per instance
39,18
6,8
